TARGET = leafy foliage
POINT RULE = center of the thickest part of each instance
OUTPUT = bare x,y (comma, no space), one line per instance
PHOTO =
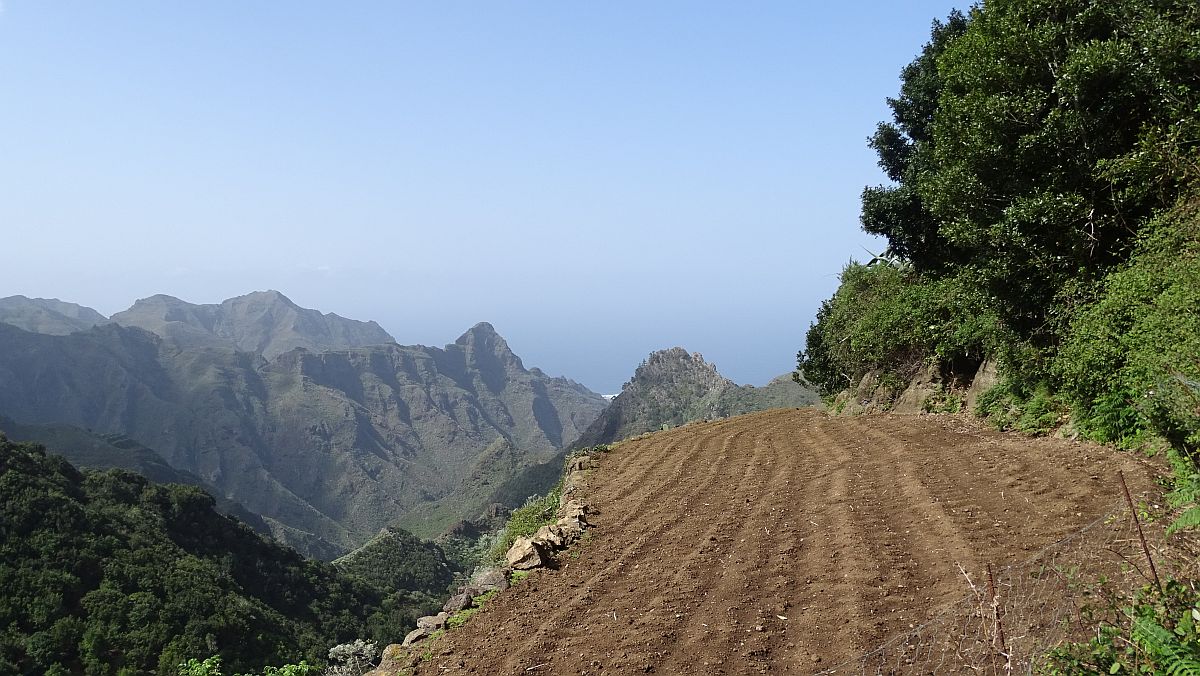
107,572
1044,209
1131,359
892,320
1151,633
526,520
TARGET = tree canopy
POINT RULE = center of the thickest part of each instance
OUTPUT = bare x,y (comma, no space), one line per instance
1043,157
107,572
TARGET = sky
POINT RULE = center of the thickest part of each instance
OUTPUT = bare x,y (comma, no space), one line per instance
597,180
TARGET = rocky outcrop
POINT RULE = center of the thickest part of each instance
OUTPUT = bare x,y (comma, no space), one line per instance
525,554
673,387
985,379
931,388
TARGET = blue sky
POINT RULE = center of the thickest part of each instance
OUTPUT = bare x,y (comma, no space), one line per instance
598,180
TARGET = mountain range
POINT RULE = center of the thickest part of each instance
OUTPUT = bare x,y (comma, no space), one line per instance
320,429
322,425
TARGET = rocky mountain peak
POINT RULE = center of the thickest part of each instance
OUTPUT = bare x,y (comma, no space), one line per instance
674,386
483,345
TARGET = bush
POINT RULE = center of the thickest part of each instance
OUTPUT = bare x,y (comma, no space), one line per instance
1010,406
526,520
890,319
1152,633
1131,361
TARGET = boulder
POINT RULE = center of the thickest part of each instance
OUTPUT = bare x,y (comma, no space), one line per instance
457,602
573,509
433,622
525,555
393,660
550,537
416,636
490,580
570,528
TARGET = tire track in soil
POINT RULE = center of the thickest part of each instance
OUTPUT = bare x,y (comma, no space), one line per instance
851,528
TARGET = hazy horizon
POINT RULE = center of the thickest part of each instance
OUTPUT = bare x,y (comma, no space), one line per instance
597,182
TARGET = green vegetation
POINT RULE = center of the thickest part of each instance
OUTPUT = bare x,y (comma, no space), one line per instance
1045,211
526,520
107,573
1151,633
888,319
463,616
212,667
398,561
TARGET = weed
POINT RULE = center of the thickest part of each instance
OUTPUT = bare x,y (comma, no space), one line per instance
943,401
1010,407
463,616
526,520
1151,632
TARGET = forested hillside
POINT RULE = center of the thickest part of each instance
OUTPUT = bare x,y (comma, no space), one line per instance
1043,211
107,572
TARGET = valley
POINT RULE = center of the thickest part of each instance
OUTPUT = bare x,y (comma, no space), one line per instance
341,435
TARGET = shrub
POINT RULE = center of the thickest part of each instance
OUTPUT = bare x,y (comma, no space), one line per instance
1010,406
892,320
526,520
1131,361
1151,633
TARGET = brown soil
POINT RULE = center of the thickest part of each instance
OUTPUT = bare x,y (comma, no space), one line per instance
785,542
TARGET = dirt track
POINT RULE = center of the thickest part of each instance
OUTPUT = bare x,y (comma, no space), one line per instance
851,528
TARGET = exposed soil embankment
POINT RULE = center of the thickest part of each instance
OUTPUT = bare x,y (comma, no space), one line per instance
785,541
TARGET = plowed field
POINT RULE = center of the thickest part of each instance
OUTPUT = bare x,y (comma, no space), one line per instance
783,542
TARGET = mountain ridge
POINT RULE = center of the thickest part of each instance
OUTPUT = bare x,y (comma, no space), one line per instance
265,322
329,447
48,315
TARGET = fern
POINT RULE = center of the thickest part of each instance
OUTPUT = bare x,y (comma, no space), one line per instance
1189,519
1166,651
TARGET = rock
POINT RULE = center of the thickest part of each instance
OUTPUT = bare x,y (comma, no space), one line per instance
582,464
491,580
572,483
433,622
525,555
416,636
392,661
574,509
985,379
457,602
549,537
927,383
570,528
